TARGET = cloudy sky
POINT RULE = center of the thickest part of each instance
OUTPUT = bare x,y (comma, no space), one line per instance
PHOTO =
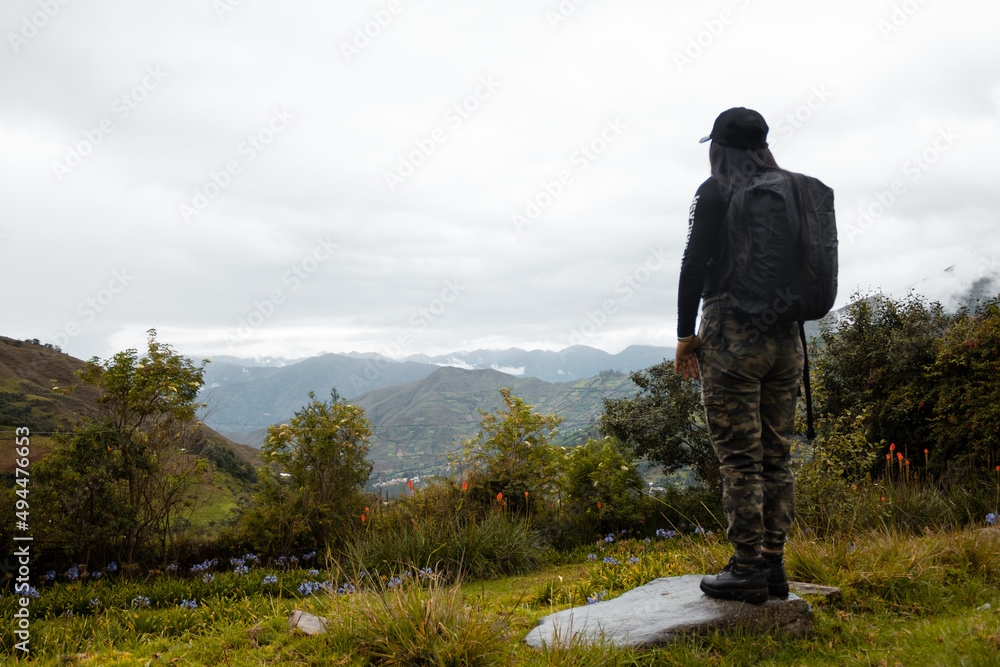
252,177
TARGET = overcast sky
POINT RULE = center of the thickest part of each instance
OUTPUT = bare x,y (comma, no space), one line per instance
252,177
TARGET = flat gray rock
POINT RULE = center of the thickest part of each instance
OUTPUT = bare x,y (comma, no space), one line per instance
802,588
665,610
306,623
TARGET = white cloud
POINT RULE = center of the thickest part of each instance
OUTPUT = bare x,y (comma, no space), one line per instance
325,174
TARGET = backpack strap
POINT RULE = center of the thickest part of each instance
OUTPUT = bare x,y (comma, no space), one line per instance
810,431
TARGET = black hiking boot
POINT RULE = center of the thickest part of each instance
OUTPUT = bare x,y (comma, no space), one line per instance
774,570
743,580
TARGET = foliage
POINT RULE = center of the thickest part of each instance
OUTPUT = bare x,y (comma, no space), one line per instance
965,425
121,479
921,599
664,422
873,358
603,487
512,457
911,375
828,469
323,451
460,545
413,625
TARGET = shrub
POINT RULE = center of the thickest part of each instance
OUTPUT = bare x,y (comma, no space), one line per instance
410,625
497,545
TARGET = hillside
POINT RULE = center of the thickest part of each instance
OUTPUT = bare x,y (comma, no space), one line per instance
417,423
28,374
244,398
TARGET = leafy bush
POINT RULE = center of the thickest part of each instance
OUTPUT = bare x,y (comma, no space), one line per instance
499,544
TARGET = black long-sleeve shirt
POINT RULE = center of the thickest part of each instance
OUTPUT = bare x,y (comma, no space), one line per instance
700,266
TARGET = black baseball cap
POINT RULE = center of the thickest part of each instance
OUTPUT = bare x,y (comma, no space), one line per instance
739,128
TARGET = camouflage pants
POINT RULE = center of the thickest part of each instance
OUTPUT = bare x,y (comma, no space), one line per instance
750,379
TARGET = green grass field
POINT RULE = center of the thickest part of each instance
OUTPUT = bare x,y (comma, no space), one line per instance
931,599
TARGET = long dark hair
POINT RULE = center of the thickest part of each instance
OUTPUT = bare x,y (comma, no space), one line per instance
734,169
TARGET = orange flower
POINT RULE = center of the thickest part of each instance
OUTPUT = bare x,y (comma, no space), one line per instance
598,504
411,483
362,518
900,455
926,451
888,456
883,499
499,496
892,446
525,494
464,486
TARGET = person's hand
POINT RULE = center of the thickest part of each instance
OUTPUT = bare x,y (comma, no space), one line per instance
686,363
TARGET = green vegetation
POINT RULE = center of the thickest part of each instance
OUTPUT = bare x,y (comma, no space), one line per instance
664,423
891,508
323,454
912,600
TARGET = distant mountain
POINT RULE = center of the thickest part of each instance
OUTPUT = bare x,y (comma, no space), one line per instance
573,363
243,399
417,424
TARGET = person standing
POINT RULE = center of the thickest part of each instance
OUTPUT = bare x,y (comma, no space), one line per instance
749,370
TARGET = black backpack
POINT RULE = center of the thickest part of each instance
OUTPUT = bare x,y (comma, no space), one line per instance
770,280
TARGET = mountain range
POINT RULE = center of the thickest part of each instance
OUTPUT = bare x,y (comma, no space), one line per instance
243,397
417,424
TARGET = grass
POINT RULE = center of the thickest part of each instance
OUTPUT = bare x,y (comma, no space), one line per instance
929,599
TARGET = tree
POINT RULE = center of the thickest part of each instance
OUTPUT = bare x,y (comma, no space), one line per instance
964,389
873,360
664,422
603,484
120,478
512,455
323,450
